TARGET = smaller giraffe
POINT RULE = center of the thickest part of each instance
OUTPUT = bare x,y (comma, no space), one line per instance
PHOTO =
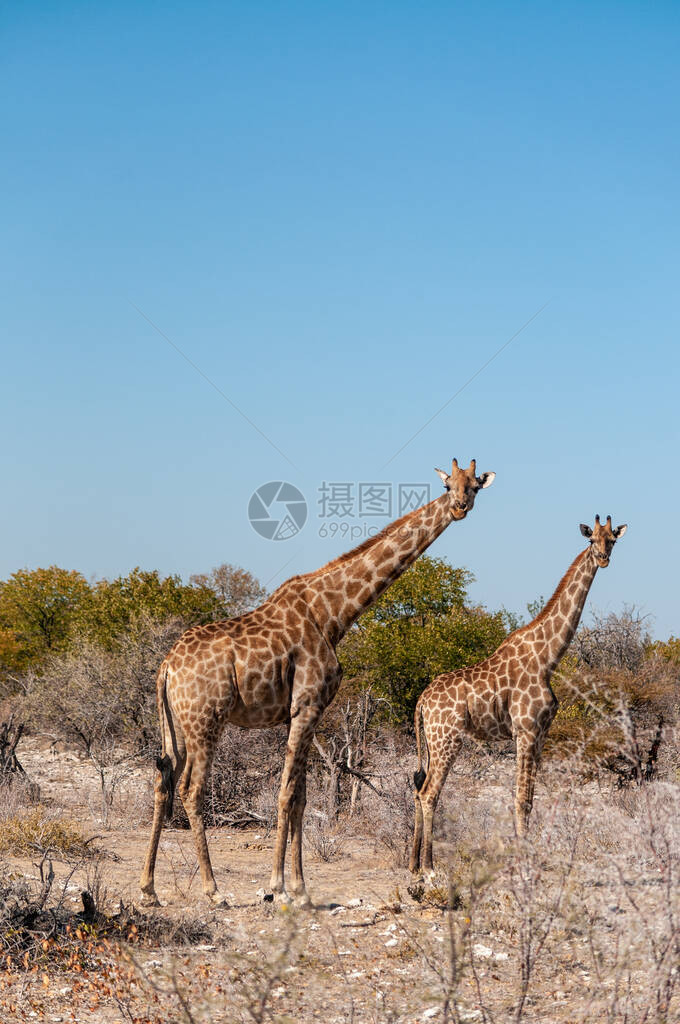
508,695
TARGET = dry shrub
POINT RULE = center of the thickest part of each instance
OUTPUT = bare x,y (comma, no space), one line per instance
36,831
244,779
38,924
386,813
613,641
326,840
605,712
92,695
16,794
157,930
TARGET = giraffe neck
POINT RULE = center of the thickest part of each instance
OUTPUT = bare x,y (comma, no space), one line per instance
338,593
554,627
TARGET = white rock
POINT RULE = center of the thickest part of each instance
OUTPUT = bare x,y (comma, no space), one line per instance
432,1012
392,942
483,951
356,902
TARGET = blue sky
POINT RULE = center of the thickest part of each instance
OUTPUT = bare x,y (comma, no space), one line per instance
339,213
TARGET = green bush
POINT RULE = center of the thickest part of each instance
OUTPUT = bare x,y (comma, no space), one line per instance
420,628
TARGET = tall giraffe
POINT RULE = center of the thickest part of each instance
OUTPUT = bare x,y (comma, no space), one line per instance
278,664
508,695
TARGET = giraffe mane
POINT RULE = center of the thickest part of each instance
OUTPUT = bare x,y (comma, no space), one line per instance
365,545
549,606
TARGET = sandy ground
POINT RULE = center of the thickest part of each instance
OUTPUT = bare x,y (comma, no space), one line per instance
366,951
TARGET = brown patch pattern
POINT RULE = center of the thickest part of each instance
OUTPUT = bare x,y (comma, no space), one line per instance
278,664
507,696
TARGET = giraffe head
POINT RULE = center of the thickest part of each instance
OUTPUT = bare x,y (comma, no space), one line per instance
462,485
602,539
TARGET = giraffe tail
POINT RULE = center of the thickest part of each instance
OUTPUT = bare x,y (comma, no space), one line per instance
164,762
419,776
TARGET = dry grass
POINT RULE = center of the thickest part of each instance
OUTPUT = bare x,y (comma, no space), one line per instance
580,922
36,831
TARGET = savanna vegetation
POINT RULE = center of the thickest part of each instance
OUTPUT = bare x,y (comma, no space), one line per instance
507,930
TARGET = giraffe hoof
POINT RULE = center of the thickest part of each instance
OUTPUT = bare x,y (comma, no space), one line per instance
282,900
302,901
149,899
218,900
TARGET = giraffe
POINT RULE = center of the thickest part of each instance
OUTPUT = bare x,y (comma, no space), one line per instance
508,695
278,664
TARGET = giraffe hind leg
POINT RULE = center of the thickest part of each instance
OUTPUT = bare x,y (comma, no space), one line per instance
440,764
192,793
170,768
414,862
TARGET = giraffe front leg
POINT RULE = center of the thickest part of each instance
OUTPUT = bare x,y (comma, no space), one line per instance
527,764
291,804
297,887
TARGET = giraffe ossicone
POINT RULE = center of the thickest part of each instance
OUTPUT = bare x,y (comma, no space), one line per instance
506,696
277,664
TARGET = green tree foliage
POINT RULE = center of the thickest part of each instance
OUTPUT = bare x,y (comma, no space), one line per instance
118,606
668,650
420,628
47,612
37,611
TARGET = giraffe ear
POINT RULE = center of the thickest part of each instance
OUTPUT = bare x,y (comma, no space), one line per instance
620,530
486,479
444,477
585,530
